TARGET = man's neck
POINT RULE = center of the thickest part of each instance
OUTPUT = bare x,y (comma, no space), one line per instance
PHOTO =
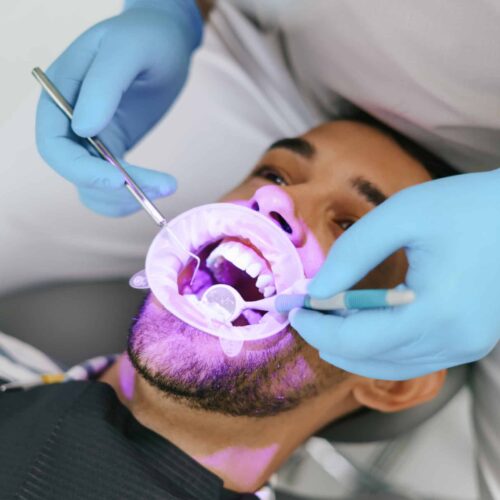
243,451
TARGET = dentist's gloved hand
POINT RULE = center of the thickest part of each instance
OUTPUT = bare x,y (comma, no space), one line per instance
121,76
450,229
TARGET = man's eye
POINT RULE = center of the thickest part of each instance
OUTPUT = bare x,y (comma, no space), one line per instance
271,175
345,224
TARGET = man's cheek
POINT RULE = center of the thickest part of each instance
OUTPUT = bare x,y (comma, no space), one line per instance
390,273
239,195
311,254
226,198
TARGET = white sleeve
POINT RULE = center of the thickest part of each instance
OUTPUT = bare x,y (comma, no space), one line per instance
486,409
20,362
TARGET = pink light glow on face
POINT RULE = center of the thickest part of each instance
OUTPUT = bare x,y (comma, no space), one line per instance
190,364
278,206
296,372
126,375
228,459
311,254
268,375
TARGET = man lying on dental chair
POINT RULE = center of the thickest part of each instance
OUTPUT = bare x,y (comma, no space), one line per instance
174,417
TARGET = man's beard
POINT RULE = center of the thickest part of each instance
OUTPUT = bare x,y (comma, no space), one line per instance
266,378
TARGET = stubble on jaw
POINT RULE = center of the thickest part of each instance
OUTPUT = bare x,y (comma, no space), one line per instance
188,365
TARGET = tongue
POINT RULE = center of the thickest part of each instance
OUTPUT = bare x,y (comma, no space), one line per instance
201,281
228,274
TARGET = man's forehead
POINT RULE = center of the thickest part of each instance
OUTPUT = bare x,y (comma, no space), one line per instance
334,137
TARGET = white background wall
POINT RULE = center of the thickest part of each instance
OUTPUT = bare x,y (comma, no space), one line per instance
33,33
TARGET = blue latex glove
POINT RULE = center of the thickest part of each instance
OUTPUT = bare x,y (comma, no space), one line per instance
450,229
121,76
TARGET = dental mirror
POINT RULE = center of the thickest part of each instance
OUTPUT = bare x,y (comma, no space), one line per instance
250,232
232,303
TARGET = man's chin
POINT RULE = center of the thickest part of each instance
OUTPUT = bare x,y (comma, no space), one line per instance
165,341
189,364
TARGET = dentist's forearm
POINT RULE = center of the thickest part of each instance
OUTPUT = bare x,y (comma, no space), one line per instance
205,6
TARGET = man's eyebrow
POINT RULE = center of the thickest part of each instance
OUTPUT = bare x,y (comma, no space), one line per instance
368,190
297,145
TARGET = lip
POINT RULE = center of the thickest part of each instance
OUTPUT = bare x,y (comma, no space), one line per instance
202,225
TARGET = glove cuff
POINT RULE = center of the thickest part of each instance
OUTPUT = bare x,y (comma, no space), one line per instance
188,8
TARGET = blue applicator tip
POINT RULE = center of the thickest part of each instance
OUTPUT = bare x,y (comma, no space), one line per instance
285,303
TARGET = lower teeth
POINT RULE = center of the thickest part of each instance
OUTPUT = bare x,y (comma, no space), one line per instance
253,317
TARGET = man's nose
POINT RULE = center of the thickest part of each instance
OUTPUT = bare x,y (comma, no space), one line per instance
275,203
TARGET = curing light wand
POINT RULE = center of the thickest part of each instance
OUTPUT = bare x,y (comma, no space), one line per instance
230,303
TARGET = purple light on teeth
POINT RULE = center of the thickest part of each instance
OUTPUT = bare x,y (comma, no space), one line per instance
276,204
250,236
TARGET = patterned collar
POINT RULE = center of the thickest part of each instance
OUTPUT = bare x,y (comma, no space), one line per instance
91,369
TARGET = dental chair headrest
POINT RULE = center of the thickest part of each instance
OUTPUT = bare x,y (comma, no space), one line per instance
97,314
369,425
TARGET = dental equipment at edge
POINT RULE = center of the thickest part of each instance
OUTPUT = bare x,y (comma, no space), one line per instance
231,301
106,154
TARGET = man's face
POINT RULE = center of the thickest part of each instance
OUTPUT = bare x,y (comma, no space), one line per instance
313,188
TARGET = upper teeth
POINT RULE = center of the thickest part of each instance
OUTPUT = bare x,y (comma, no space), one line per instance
264,280
247,260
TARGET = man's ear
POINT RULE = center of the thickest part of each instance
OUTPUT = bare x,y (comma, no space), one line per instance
389,396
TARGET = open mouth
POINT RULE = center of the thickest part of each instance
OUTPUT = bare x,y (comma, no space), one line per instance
232,261
238,247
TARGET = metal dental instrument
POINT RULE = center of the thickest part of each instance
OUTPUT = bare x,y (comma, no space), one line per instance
106,154
103,151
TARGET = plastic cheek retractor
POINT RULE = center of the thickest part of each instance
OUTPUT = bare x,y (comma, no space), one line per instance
224,234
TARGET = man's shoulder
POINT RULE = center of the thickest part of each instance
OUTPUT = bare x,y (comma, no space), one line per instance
40,407
77,437
27,422
41,428
50,400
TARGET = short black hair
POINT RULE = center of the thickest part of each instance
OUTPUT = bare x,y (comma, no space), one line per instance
436,166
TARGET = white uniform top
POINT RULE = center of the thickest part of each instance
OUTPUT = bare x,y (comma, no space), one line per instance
429,69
